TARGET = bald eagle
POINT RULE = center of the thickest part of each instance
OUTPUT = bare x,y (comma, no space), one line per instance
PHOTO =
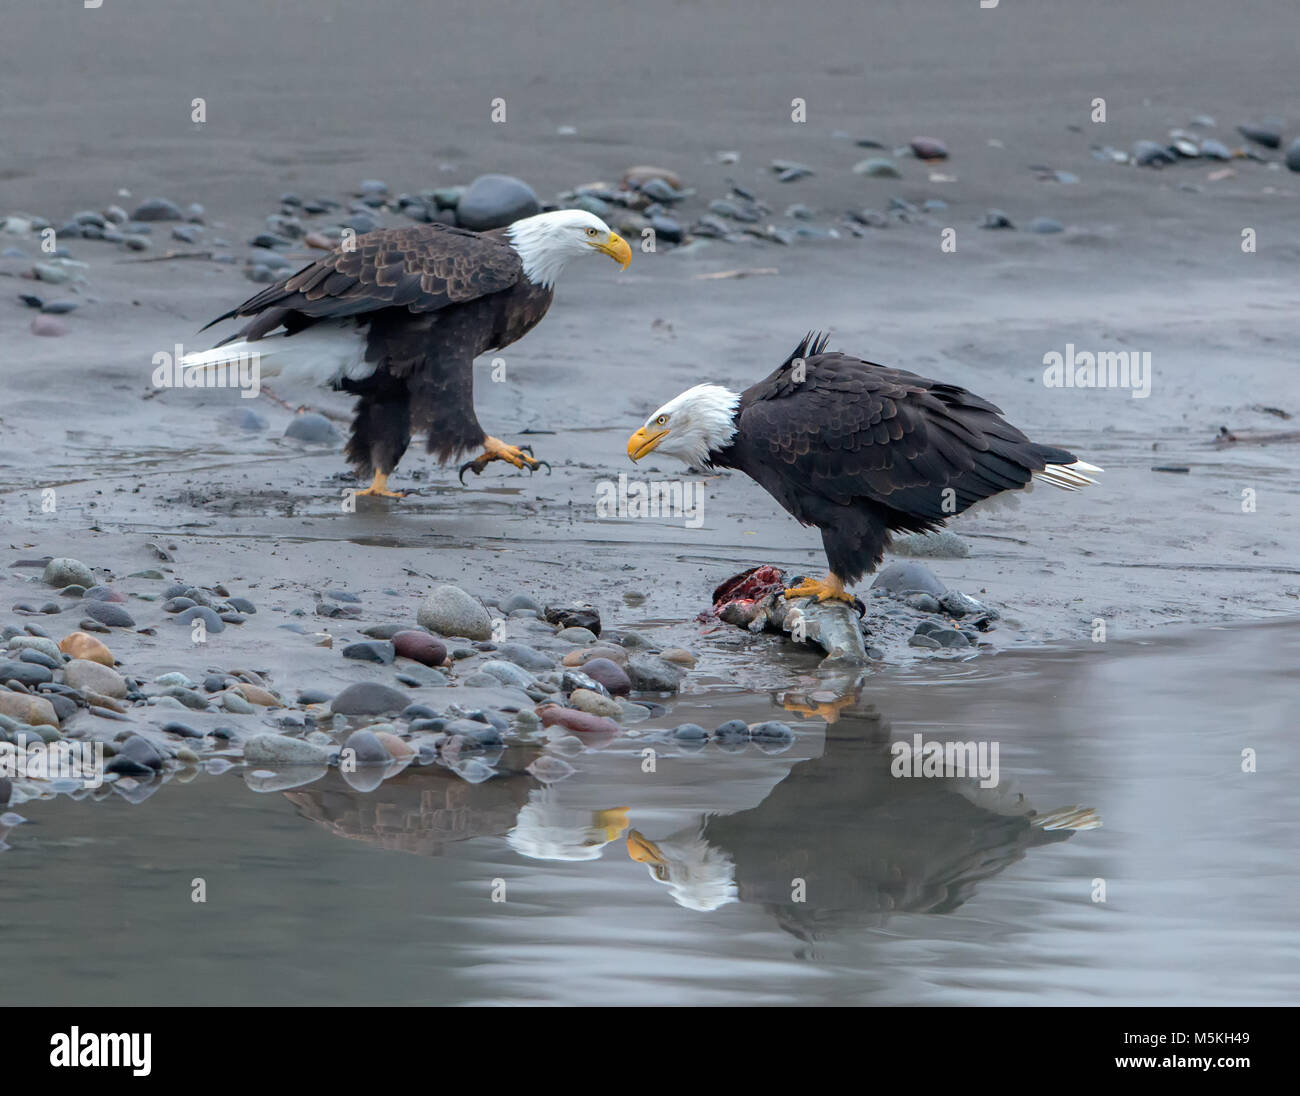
397,320
857,449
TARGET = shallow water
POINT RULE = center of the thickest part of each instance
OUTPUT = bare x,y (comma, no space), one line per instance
917,890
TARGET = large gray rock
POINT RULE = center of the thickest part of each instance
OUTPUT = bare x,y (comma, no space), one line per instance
899,578
279,749
493,201
369,698
652,674
449,611
86,676
63,572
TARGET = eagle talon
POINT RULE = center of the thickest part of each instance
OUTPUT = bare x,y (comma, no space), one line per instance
379,489
521,456
831,588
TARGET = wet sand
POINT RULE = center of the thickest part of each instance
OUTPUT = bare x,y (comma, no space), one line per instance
1145,265
316,96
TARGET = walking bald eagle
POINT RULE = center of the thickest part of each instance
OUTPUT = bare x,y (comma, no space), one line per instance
398,320
857,449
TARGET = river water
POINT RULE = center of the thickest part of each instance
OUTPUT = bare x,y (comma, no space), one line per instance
810,874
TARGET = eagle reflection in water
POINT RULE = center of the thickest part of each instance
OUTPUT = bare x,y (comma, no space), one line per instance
838,843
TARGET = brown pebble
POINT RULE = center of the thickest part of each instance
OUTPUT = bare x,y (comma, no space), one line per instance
420,646
319,240
82,645
255,694
396,747
679,655
614,654
575,720
28,709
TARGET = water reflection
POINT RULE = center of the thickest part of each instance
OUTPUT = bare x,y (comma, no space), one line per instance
834,838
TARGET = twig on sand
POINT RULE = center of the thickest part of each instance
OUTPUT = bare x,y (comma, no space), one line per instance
738,273
1254,437
169,256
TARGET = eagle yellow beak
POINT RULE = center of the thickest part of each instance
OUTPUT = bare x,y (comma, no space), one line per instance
640,443
617,249
643,850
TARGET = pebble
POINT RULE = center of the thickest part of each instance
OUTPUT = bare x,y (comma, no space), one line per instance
508,673
235,704
184,730
690,732
211,619
25,673
279,749
65,571
1293,155
576,635
1261,133
1046,225
1151,154
905,577
732,731
609,674
575,720
494,201
140,750
995,218
83,674
420,647
522,655
587,701
679,655
313,429
37,643
366,748
928,148
878,167
157,209
772,736
369,698
650,673
255,694
187,234
108,613
516,602
450,611
380,651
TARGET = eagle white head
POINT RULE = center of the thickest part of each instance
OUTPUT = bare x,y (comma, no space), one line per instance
548,241
699,421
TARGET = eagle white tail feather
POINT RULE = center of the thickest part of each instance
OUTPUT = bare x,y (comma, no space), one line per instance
320,355
1068,818
1069,477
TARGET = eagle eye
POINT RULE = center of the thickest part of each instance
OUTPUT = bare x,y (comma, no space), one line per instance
661,420
591,232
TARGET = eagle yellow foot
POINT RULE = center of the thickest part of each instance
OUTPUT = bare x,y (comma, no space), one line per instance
829,588
811,708
379,487
521,456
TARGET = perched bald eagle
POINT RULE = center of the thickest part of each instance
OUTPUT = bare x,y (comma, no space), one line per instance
857,449
398,319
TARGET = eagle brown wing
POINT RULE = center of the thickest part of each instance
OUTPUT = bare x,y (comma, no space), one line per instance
853,430
422,268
